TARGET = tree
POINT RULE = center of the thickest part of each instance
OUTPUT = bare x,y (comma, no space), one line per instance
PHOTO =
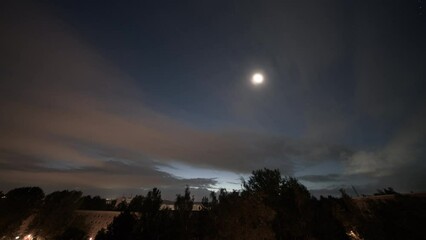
122,227
183,211
17,205
101,235
136,204
56,213
399,217
152,203
385,191
73,233
207,204
242,216
184,203
95,203
149,223
122,206
264,182
326,225
290,200
205,218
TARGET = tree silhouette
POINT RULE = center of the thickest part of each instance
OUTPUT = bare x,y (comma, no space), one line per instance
135,204
16,205
290,200
122,206
264,182
385,191
56,213
95,203
122,227
325,224
268,207
241,216
152,203
149,225
182,214
73,233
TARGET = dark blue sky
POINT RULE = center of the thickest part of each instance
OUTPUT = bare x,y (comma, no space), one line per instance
115,97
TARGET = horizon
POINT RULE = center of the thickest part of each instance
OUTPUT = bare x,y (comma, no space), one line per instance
197,199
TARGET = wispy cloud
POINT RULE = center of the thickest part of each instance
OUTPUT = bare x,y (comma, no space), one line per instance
70,118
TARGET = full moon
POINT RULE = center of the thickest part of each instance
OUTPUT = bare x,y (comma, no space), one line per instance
257,79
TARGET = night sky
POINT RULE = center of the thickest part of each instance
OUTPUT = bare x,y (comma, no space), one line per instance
115,98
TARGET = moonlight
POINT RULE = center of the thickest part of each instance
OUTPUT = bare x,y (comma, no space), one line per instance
257,79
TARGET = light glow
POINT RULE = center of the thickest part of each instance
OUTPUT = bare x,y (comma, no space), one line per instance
257,79
28,237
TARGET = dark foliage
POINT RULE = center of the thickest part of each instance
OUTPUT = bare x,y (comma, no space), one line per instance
56,214
295,210
268,207
122,227
385,191
73,233
136,204
17,205
96,203
183,215
401,217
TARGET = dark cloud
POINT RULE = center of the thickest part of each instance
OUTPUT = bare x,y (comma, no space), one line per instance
72,119
19,162
320,178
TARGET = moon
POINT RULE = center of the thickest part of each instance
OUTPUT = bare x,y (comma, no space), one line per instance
257,79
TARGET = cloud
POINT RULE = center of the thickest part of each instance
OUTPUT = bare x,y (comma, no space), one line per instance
358,79
70,118
400,162
321,178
